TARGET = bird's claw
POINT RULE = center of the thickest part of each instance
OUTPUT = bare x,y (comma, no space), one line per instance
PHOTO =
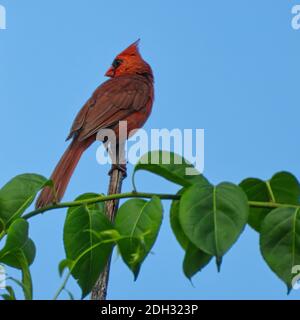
119,167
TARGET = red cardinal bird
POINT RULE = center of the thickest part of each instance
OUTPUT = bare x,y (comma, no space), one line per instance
127,96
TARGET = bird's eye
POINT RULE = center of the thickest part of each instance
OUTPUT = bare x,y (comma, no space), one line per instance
116,63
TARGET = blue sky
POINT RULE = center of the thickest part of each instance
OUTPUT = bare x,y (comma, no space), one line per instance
230,67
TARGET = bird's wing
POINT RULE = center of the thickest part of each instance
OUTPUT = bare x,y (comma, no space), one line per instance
80,118
112,102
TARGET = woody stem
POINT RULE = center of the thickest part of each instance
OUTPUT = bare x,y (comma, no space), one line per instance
99,291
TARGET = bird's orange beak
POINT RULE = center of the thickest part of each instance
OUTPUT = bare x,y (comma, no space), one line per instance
110,72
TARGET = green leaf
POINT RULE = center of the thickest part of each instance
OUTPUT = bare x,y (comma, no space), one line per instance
194,260
213,217
81,245
10,295
17,236
17,240
170,166
133,252
175,223
65,263
256,190
280,242
18,194
28,250
283,187
286,188
26,276
19,252
138,220
2,228
20,262
26,287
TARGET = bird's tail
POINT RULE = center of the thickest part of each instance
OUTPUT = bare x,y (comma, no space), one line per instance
63,173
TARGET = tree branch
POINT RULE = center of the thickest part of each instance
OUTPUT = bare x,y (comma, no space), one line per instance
99,291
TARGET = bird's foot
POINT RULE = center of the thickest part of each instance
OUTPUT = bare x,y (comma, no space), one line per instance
120,167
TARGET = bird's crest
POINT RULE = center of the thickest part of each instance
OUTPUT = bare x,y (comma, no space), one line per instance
133,49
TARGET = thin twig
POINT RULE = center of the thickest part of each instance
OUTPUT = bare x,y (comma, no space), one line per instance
101,198
99,291
62,287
